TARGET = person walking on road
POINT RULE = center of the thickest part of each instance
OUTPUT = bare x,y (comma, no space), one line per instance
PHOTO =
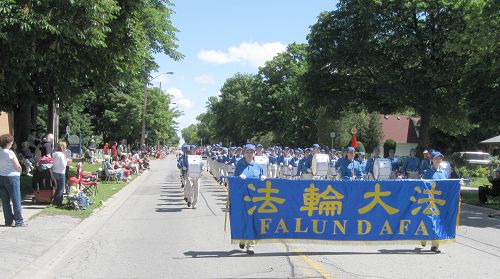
435,172
247,168
10,187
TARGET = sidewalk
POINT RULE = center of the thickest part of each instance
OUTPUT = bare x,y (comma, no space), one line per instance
23,249
29,210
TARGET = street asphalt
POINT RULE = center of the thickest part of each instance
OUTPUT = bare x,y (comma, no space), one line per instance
147,231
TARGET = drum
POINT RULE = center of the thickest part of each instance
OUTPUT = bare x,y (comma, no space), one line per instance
194,165
320,164
382,169
263,161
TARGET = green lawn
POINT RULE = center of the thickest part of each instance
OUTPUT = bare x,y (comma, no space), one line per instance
479,181
470,197
105,190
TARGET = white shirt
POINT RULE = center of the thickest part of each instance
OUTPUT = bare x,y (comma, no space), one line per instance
7,167
60,162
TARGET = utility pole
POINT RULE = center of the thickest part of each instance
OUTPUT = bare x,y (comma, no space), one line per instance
143,126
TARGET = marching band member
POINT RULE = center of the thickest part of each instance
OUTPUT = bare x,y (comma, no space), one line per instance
273,164
426,162
333,162
435,172
259,150
394,164
284,160
411,166
369,165
294,164
192,189
182,164
350,169
247,168
362,160
305,165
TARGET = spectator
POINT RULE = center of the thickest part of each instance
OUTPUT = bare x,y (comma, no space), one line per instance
114,150
10,188
59,171
494,191
49,144
28,158
38,145
105,149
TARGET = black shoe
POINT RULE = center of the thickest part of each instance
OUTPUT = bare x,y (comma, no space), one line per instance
185,199
189,204
435,250
242,245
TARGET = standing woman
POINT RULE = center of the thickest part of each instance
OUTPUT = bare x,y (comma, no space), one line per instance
59,171
10,187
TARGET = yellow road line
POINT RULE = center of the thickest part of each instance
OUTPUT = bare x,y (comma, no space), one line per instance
313,264
308,260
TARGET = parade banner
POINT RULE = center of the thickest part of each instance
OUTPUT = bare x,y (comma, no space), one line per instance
342,210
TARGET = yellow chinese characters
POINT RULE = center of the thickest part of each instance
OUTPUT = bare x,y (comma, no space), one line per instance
432,208
377,200
328,201
268,205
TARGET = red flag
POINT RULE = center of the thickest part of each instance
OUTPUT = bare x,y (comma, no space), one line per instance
354,141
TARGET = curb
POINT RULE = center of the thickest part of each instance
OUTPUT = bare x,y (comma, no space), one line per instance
82,232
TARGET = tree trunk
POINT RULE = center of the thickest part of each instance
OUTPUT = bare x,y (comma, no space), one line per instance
425,125
50,117
22,119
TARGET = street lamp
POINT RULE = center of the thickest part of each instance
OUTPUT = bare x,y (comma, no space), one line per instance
143,129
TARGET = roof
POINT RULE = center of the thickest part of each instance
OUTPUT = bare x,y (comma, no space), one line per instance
492,140
400,128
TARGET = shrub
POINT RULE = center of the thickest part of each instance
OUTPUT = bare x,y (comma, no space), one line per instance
361,147
388,145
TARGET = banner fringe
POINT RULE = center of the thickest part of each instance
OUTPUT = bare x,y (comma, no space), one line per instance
342,242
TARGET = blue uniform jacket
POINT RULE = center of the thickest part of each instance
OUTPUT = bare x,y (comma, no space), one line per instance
347,167
426,164
251,170
432,173
369,165
411,164
273,159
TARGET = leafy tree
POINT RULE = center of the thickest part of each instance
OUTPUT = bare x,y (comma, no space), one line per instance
387,55
190,134
373,134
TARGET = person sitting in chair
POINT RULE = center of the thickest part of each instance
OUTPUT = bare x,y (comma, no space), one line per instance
485,191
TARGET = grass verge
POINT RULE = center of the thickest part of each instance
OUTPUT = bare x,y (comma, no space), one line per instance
105,189
470,197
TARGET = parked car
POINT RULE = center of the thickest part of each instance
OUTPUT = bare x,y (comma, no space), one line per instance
470,159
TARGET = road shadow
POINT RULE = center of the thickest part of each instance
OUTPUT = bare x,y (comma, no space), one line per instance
478,219
162,210
242,253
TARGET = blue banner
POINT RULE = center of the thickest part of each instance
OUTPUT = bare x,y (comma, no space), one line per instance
326,210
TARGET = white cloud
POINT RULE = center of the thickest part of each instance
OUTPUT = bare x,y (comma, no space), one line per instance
204,79
253,53
179,98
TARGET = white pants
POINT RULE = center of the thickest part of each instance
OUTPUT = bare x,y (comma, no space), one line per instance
273,171
306,176
191,190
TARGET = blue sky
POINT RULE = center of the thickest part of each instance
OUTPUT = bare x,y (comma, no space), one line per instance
221,37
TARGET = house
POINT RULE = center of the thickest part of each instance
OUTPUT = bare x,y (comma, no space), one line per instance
403,129
493,145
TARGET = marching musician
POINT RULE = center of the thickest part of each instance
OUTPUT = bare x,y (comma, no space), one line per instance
426,162
394,164
350,169
247,168
273,163
369,165
305,165
411,166
435,172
